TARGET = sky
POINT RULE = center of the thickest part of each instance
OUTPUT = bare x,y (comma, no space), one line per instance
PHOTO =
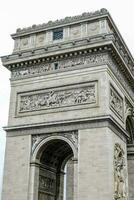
23,13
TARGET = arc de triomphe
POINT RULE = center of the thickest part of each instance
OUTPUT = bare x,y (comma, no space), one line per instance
70,133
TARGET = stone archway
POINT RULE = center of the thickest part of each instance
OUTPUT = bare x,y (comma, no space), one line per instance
47,168
130,154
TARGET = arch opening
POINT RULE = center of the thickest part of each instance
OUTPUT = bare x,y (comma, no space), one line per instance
130,154
130,130
54,180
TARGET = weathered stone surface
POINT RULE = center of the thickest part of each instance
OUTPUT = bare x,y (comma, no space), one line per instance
16,173
120,173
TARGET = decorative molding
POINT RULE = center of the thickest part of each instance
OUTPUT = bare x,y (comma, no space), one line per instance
19,59
89,59
27,68
8,60
39,69
59,97
47,184
128,109
116,102
72,136
120,174
64,21
121,76
63,64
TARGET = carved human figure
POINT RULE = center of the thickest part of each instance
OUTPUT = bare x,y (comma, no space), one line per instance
116,102
119,174
58,98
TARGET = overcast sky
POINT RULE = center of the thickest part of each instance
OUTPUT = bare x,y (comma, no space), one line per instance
18,14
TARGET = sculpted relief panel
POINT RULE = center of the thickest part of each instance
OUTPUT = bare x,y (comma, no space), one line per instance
47,187
120,174
40,39
75,31
25,42
116,102
46,183
93,28
59,97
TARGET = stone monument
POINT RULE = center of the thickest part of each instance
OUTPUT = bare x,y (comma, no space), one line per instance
70,133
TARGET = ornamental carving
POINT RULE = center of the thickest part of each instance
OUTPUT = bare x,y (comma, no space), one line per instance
63,64
116,102
93,28
25,41
46,183
120,76
75,31
64,21
71,136
128,108
57,98
44,196
120,174
45,68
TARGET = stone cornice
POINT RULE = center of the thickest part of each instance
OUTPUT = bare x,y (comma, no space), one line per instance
103,45
103,121
62,22
52,52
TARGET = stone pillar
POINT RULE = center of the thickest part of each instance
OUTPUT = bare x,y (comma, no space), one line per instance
69,180
16,173
130,159
60,186
97,167
75,181
33,182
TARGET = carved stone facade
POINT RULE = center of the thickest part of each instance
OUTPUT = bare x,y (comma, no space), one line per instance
72,136
39,69
46,183
120,173
128,108
116,102
120,76
86,94
78,62
72,98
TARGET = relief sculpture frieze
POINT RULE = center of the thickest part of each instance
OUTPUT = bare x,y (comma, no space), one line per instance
46,183
58,65
56,98
116,102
